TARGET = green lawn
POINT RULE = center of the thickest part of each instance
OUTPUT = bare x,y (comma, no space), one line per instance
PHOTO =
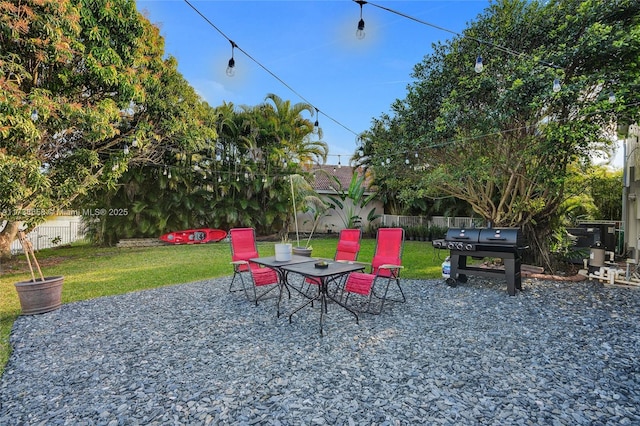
94,272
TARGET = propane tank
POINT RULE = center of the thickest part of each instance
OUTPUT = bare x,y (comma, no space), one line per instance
446,268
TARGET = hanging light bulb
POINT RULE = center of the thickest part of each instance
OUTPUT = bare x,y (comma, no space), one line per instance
231,66
169,174
316,125
556,85
339,164
114,167
164,172
219,179
479,65
406,161
360,31
34,115
388,160
415,155
246,175
612,97
134,143
125,150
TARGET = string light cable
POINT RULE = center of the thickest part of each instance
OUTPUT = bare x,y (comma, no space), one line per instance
477,40
271,73
450,142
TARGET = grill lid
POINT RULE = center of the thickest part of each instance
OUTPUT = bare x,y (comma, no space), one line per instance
463,235
501,236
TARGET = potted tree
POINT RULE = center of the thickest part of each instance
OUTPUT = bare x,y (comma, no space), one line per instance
38,295
312,203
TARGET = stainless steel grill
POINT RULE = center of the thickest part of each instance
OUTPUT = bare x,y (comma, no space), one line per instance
504,243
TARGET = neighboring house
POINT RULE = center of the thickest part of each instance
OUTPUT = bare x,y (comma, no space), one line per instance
332,221
631,192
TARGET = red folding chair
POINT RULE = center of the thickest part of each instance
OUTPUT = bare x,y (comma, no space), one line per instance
243,248
386,264
347,249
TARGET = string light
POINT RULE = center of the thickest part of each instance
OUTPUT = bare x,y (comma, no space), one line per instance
231,67
556,85
271,73
316,125
479,65
134,143
34,115
612,97
360,31
125,150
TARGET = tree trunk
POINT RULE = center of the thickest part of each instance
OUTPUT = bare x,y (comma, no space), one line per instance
7,236
539,253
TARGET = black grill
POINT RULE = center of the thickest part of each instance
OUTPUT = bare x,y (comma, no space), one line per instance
504,243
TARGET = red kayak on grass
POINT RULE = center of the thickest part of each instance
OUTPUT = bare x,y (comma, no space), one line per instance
194,236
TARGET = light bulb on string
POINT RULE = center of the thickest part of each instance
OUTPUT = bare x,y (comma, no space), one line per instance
556,85
34,115
479,65
231,66
134,143
219,179
316,124
169,174
360,31
415,155
406,161
125,150
612,97
388,160
339,164
164,172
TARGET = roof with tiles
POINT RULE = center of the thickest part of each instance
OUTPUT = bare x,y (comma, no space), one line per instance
323,181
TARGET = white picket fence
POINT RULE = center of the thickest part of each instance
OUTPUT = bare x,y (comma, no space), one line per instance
52,234
441,221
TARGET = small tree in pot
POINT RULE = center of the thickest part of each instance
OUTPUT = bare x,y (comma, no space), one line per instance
312,202
38,295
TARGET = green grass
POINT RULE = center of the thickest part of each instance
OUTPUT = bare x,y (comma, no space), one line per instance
91,272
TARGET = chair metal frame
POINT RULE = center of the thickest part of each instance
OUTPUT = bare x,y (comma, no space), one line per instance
382,274
241,265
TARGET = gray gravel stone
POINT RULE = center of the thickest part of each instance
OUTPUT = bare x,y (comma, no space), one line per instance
555,354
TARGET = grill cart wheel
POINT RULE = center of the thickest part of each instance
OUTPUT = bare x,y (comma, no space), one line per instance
462,278
451,282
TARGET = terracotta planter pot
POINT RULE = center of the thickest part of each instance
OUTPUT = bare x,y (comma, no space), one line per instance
38,297
302,251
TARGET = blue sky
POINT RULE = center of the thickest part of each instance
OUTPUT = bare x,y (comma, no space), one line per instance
312,47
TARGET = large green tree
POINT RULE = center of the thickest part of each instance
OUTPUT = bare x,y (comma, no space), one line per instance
502,139
74,79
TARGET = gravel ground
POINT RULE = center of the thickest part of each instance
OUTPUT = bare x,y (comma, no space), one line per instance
557,353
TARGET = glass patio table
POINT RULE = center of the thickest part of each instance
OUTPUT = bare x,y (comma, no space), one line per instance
323,275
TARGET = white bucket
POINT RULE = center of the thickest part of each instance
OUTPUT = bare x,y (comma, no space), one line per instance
283,252
446,268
